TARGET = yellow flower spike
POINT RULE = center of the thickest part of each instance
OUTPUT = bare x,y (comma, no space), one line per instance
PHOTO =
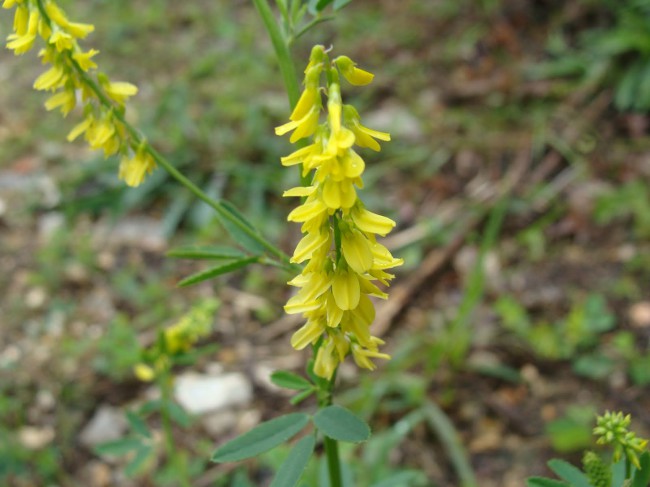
9,3
84,59
120,90
346,290
100,133
65,99
354,75
356,250
51,79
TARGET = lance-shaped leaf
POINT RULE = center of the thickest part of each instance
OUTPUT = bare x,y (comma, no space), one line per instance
262,438
239,228
216,271
293,467
206,252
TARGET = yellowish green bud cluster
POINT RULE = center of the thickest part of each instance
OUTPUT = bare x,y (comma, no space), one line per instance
69,80
598,472
177,340
612,429
343,259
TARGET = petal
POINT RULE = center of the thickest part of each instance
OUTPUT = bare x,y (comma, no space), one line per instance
357,251
346,290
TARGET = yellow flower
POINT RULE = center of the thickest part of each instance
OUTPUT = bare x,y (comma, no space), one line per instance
365,137
302,128
51,79
350,72
65,99
62,41
120,91
134,170
84,59
144,372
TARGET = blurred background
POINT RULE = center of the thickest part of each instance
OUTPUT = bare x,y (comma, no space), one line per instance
518,177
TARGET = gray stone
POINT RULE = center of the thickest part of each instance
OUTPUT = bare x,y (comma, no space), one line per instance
200,394
107,424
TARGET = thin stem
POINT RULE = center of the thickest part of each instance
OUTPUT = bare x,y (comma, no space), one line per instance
180,467
281,51
139,140
333,462
331,445
287,68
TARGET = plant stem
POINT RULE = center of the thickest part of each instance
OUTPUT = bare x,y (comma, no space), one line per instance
180,467
287,68
138,139
331,445
281,48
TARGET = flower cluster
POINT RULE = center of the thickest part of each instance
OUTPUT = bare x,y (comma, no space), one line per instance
69,80
612,429
344,259
176,340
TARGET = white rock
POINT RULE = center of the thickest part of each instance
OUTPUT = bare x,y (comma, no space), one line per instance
199,394
107,424
34,438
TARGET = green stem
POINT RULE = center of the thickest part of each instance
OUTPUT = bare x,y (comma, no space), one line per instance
138,139
331,445
282,52
179,465
287,68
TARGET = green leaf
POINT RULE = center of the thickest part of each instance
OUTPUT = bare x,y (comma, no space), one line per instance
407,478
206,252
141,456
542,482
339,4
316,6
642,477
235,229
137,424
341,424
301,396
261,438
119,447
293,467
289,380
216,271
178,415
568,472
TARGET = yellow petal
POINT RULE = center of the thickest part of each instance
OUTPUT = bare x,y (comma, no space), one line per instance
307,334
79,129
370,222
353,164
346,290
357,251
299,191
